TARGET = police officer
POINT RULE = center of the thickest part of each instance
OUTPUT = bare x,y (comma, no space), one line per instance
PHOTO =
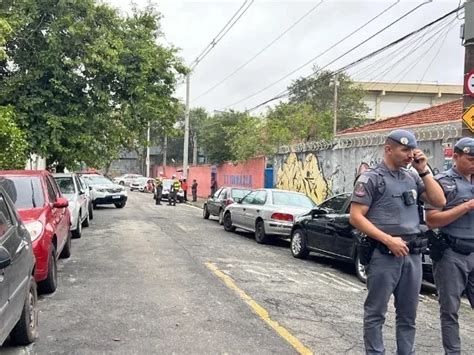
384,207
158,190
174,188
454,271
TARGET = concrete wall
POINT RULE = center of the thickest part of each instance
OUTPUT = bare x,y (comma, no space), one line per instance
324,173
247,174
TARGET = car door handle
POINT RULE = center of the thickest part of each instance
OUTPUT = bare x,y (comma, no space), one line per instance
258,211
244,209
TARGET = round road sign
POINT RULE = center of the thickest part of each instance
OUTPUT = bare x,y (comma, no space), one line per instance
469,83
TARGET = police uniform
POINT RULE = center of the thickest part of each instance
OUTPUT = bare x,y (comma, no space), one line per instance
158,191
454,272
391,197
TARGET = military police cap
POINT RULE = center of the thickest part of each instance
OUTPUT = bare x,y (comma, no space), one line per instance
465,145
403,137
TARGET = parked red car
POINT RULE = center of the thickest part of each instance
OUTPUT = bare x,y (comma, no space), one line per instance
46,216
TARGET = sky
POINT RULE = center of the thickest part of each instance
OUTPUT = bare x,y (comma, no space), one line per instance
432,57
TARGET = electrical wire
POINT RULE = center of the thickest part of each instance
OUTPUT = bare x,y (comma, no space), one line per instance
316,57
364,58
227,27
259,52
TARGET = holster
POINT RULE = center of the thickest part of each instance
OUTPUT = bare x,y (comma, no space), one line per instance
419,245
437,244
365,248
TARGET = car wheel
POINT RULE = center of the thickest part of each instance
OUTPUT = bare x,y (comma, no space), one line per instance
205,212
221,216
298,244
260,235
361,270
94,205
91,211
228,227
26,330
66,252
120,205
77,233
51,282
85,223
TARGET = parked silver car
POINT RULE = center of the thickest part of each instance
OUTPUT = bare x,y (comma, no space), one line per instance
267,212
18,295
72,189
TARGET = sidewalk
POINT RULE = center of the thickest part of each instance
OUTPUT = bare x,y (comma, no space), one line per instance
199,203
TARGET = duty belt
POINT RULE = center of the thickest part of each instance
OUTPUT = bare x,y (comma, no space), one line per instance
459,245
415,243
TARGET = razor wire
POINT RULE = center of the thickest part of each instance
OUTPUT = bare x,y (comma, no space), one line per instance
442,133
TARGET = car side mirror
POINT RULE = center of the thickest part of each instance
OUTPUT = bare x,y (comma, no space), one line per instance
5,258
81,192
238,200
61,202
317,212
90,187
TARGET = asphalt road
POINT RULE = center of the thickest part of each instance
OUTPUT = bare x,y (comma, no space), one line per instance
159,279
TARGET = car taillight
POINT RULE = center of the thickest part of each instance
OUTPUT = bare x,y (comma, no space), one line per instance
282,217
35,229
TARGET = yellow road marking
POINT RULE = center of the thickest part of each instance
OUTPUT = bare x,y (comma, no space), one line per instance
260,311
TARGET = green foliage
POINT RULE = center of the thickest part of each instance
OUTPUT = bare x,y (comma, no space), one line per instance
5,30
83,80
13,145
318,92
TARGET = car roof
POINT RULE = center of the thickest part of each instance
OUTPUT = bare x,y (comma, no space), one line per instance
25,172
64,174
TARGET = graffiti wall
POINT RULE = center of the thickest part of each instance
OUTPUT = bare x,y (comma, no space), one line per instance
324,173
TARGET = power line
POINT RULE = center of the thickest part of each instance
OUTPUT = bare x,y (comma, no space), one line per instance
370,55
316,57
259,52
237,15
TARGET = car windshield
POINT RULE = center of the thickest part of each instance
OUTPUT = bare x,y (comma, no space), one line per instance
66,185
142,180
292,199
239,193
97,180
25,191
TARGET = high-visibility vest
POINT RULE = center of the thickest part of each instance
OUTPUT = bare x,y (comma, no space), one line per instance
176,185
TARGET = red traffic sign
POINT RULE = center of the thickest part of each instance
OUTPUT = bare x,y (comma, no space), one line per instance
469,83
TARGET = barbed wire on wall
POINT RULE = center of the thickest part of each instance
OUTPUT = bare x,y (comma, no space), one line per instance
431,133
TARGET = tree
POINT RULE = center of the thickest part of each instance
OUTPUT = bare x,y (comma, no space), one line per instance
5,30
84,81
217,134
13,145
318,92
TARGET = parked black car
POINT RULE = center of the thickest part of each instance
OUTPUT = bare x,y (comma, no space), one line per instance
216,204
18,295
326,230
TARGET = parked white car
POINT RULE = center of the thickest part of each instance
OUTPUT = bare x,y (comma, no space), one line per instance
72,189
87,190
141,184
126,179
105,192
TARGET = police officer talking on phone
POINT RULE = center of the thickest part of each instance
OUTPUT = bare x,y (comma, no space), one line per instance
453,257
384,206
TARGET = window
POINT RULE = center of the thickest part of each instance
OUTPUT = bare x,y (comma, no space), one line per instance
5,219
249,198
24,191
216,194
335,203
239,193
292,199
66,185
260,198
51,192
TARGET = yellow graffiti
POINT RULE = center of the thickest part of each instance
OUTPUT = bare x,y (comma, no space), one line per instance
303,176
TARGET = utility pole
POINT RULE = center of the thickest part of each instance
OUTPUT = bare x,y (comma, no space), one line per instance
186,130
147,161
165,151
336,84
195,148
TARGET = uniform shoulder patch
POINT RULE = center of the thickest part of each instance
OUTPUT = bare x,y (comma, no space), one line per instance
363,179
360,190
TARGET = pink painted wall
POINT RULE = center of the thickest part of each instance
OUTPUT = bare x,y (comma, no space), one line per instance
249,174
